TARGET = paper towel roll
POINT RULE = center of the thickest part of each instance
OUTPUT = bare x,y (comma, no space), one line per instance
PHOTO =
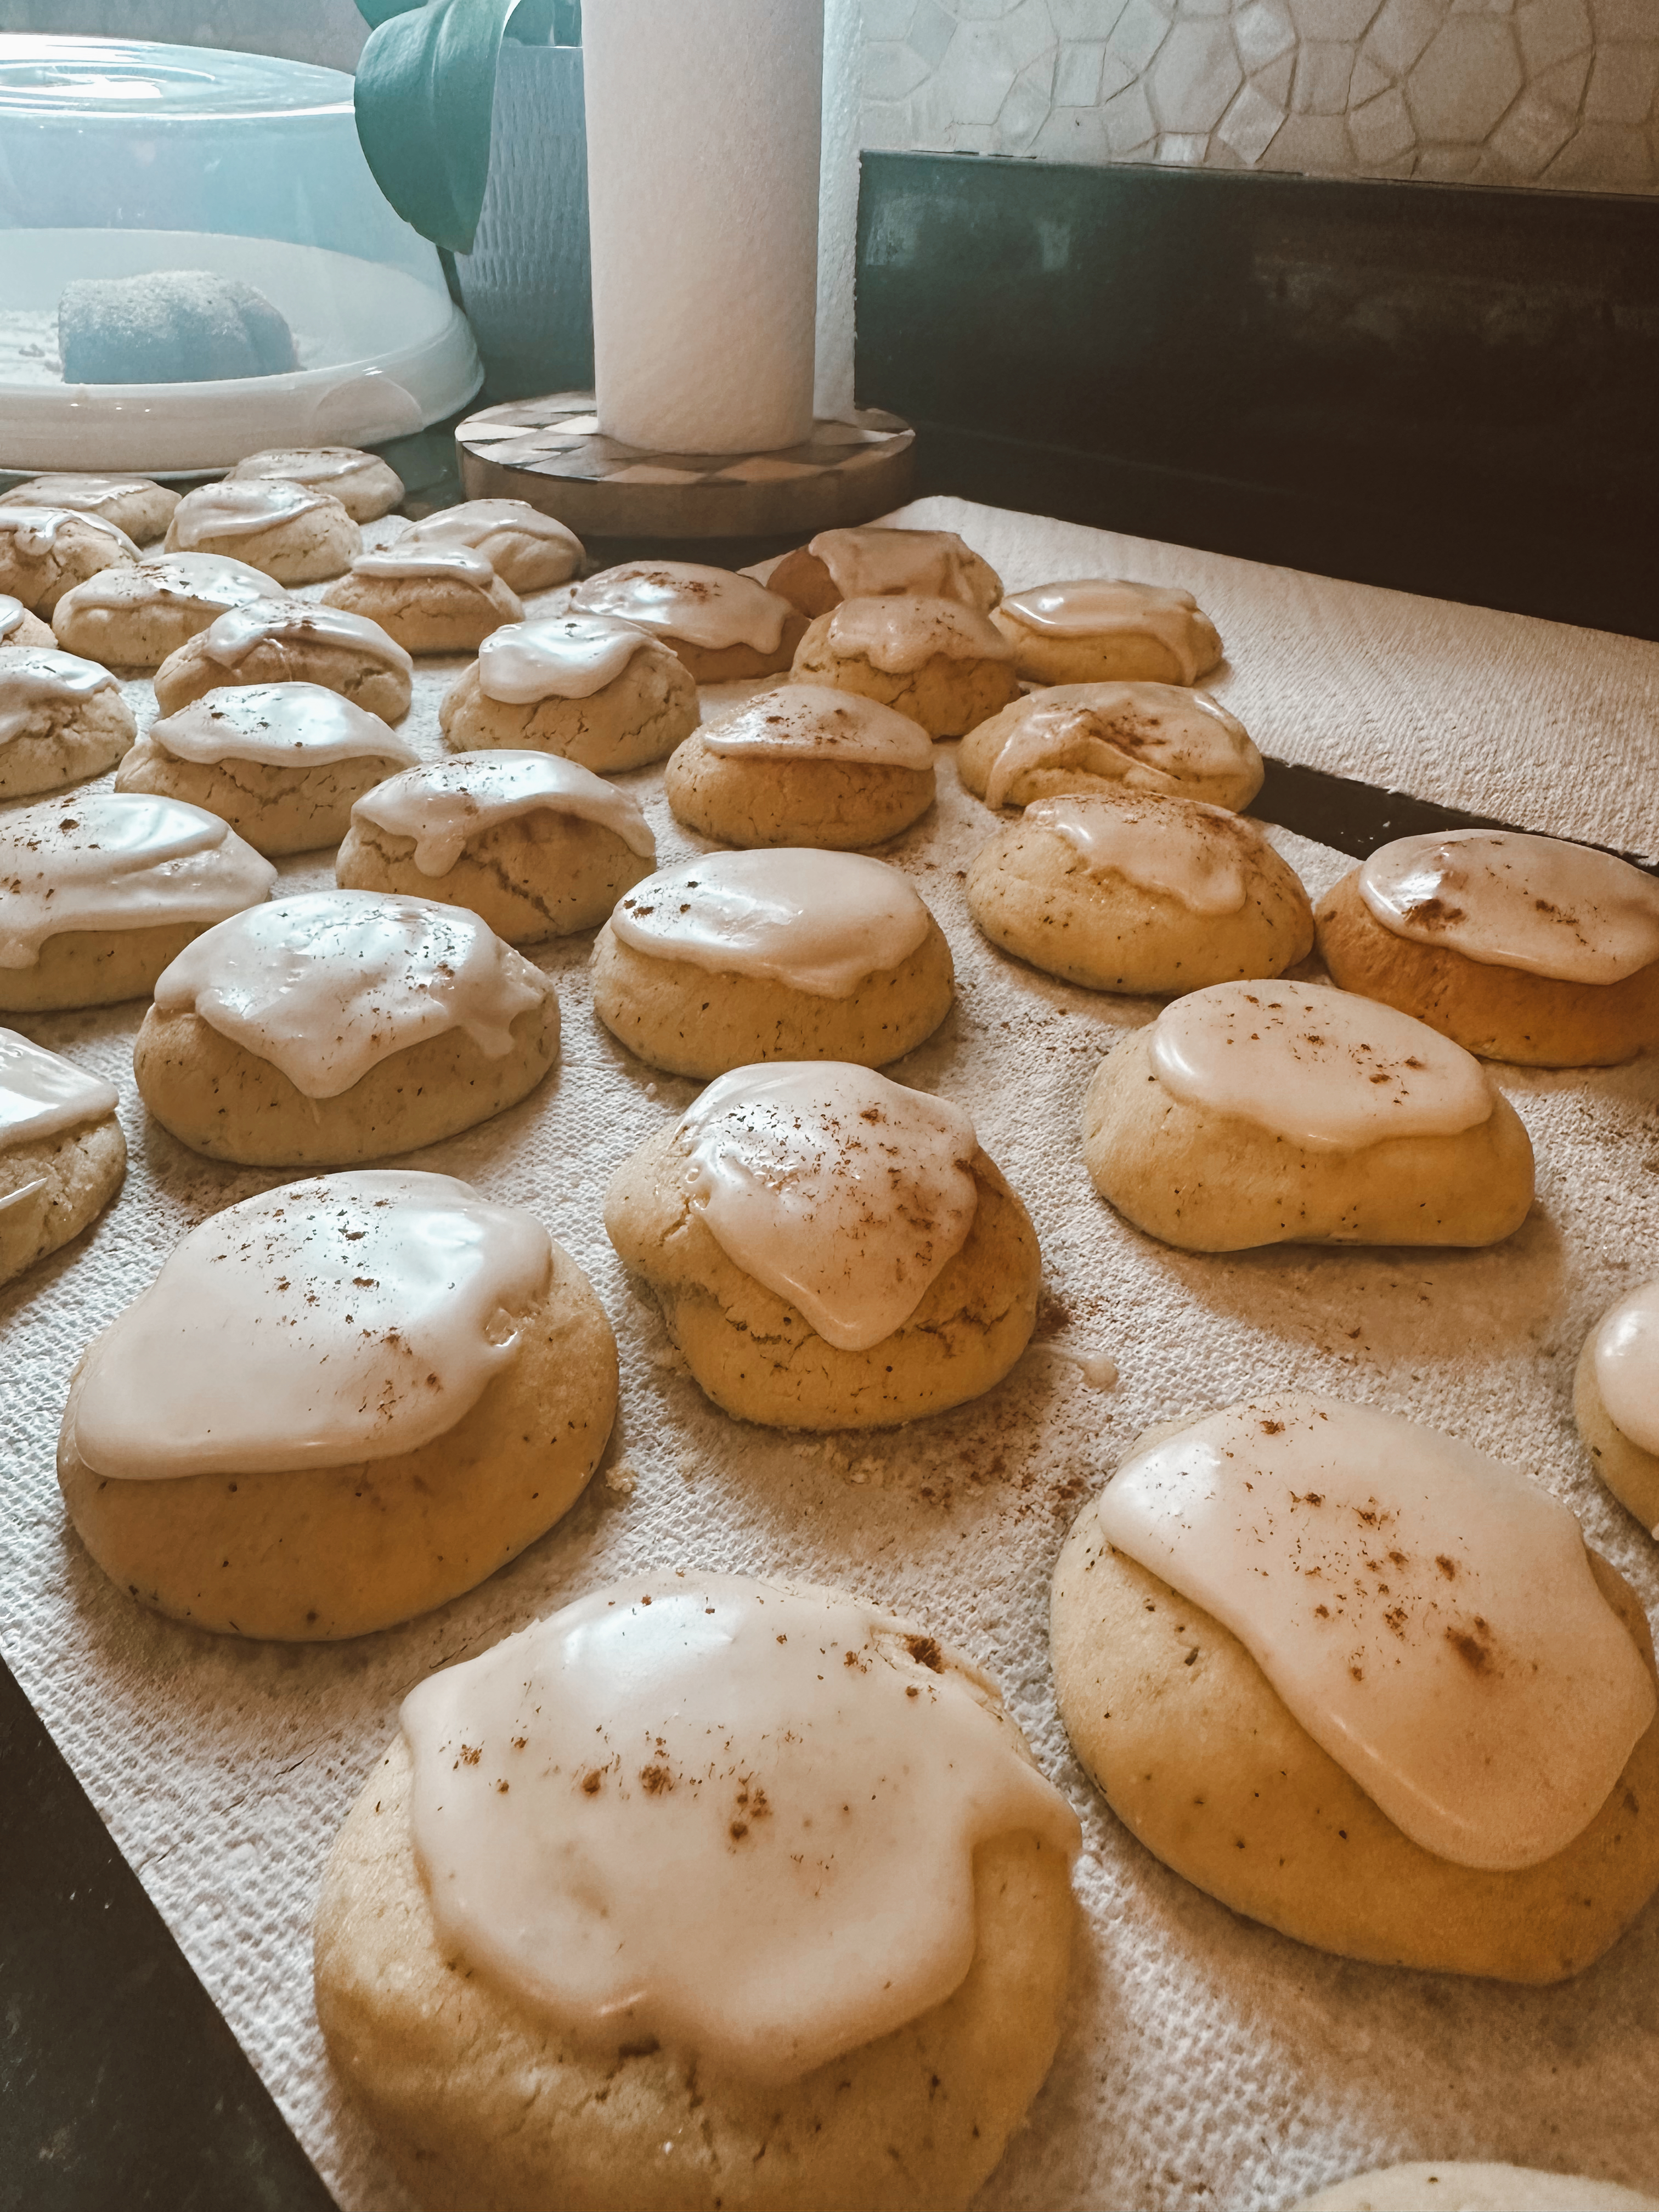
702,180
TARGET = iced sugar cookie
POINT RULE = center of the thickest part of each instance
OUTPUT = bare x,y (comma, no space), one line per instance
339,1403
1522,948
721,625
873,563
1153,738
18,627
804,765
62,1152
1274,1114
1364,1684
599,691
294,533
62,718
536,845
432,598
290,641
341,1027
787,954
556,1969
283,764
365,485
1615,1400
136,505
1100,628
45,551
938,660
135,617
529,551
1454,2185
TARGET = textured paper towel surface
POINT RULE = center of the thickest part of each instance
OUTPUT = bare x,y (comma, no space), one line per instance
1205,2062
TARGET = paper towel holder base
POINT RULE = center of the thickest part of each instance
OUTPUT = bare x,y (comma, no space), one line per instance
551,452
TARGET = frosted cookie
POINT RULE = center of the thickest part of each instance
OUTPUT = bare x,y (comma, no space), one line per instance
830,1250
341,1027
283,764
1522,948
529,551
1120,892
1158,738
18,627
432,598
721,625
365,485
535,845
99,891
62,719
339,1404
1099,628
804,765
1291,1114
45,551
585,1940
135,617
786,954
600,692
1615,1401
1367,1686
62,1152
136,505
873,563
297,535
939,662
278,640
1454,2185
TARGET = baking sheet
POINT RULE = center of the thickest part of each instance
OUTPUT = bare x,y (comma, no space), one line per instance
1204,2062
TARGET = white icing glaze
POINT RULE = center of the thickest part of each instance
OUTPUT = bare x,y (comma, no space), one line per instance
190,579
1512,901
475,519
736,1817
872,563
1193,853
456,564
281,725
42,1094
303,464
34,529
844,1193
684,600
299,622
240,509
443,805
12,612
347,1318
900,635
815,721
1626,1364
815,921
1427,1614
569,656
1323,1068
33,676
1136,734
1110,606
81,493
118,859
327,986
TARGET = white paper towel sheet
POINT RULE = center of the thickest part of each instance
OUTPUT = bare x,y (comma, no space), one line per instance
1206,2062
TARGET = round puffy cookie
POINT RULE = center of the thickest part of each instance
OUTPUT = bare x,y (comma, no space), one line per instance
874,562
1291,1113
18,627
62,1152
365,485
292,532
1158,738
596,691
1615,1401
1459,2185
1522,948
279,640
809,1286
263,1463
891,2072
1374,1780
1119,892
535,845
722,625
1098,629
137,505
283,764
341,1027
937,660
62,718
45,551
99,890
804,765
788,953
529,551
434,599
135,617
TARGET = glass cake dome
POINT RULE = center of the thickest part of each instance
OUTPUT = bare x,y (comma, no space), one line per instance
196,263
